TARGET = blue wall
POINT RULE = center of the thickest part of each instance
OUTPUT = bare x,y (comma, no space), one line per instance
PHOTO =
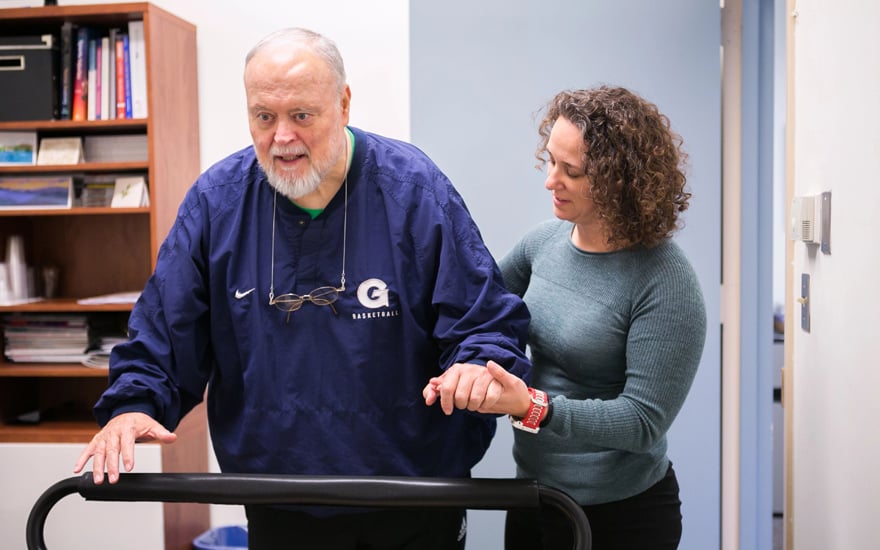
756,272
479,73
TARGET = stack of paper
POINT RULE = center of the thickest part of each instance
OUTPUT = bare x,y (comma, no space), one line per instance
42,338
105,331
114,298
116,148
97,190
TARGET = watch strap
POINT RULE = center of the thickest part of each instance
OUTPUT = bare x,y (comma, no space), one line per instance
538,406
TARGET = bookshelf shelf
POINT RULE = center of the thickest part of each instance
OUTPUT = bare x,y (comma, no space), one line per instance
103,250
50,370
48,432
128,124
92,167
66,305
76,211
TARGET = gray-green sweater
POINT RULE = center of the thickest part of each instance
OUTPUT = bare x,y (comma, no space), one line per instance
615,340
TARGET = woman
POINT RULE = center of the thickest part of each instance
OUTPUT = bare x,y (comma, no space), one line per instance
617,331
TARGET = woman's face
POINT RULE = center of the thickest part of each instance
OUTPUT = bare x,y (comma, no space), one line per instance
566,178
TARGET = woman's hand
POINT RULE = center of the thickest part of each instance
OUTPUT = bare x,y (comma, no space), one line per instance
489,390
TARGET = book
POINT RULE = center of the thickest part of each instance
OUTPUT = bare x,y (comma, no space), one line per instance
30,192
130,192
120,76
45,320
81,78
111,73
137,48
92,80
98,77
104,79
65,92
18,148
126,52
66,150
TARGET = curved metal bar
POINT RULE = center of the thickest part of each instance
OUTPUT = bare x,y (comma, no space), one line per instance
37,517
580,527
386,492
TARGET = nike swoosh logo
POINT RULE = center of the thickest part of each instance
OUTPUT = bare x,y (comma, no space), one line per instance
239,294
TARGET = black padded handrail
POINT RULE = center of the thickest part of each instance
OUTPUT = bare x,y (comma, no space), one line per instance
393,492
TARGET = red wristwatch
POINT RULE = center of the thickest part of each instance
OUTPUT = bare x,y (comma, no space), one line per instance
531,422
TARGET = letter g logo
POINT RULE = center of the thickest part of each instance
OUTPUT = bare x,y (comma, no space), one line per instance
373,293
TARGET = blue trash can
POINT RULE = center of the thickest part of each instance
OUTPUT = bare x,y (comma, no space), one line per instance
230,537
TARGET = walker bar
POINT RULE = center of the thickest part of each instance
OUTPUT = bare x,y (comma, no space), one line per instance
386,492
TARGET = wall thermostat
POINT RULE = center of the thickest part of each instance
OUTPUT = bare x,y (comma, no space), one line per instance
811,220
804,219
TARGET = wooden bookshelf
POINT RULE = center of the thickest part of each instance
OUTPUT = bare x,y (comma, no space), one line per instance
105,250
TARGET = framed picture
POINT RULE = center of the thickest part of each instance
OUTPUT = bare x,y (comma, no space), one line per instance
18,148
36,192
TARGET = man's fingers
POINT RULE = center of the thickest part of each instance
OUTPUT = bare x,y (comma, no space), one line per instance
126,447
479,390
84,457
111,459
464,395
98,463
430,393
471,387
448,389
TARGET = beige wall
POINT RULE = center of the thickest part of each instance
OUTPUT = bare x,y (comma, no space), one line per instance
833,371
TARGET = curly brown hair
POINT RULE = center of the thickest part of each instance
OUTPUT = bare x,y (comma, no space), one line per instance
634,161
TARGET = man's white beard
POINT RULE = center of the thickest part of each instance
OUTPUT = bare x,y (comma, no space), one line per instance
293,186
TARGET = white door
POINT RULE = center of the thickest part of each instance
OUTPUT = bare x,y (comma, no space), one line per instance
833,369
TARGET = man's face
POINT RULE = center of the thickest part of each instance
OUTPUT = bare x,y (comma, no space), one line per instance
296,116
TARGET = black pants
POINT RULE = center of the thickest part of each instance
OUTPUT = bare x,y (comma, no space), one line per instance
648,521
398,529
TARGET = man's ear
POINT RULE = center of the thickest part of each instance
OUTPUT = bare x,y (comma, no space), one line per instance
345,103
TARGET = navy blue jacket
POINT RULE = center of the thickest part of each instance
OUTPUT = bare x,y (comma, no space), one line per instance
325,393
